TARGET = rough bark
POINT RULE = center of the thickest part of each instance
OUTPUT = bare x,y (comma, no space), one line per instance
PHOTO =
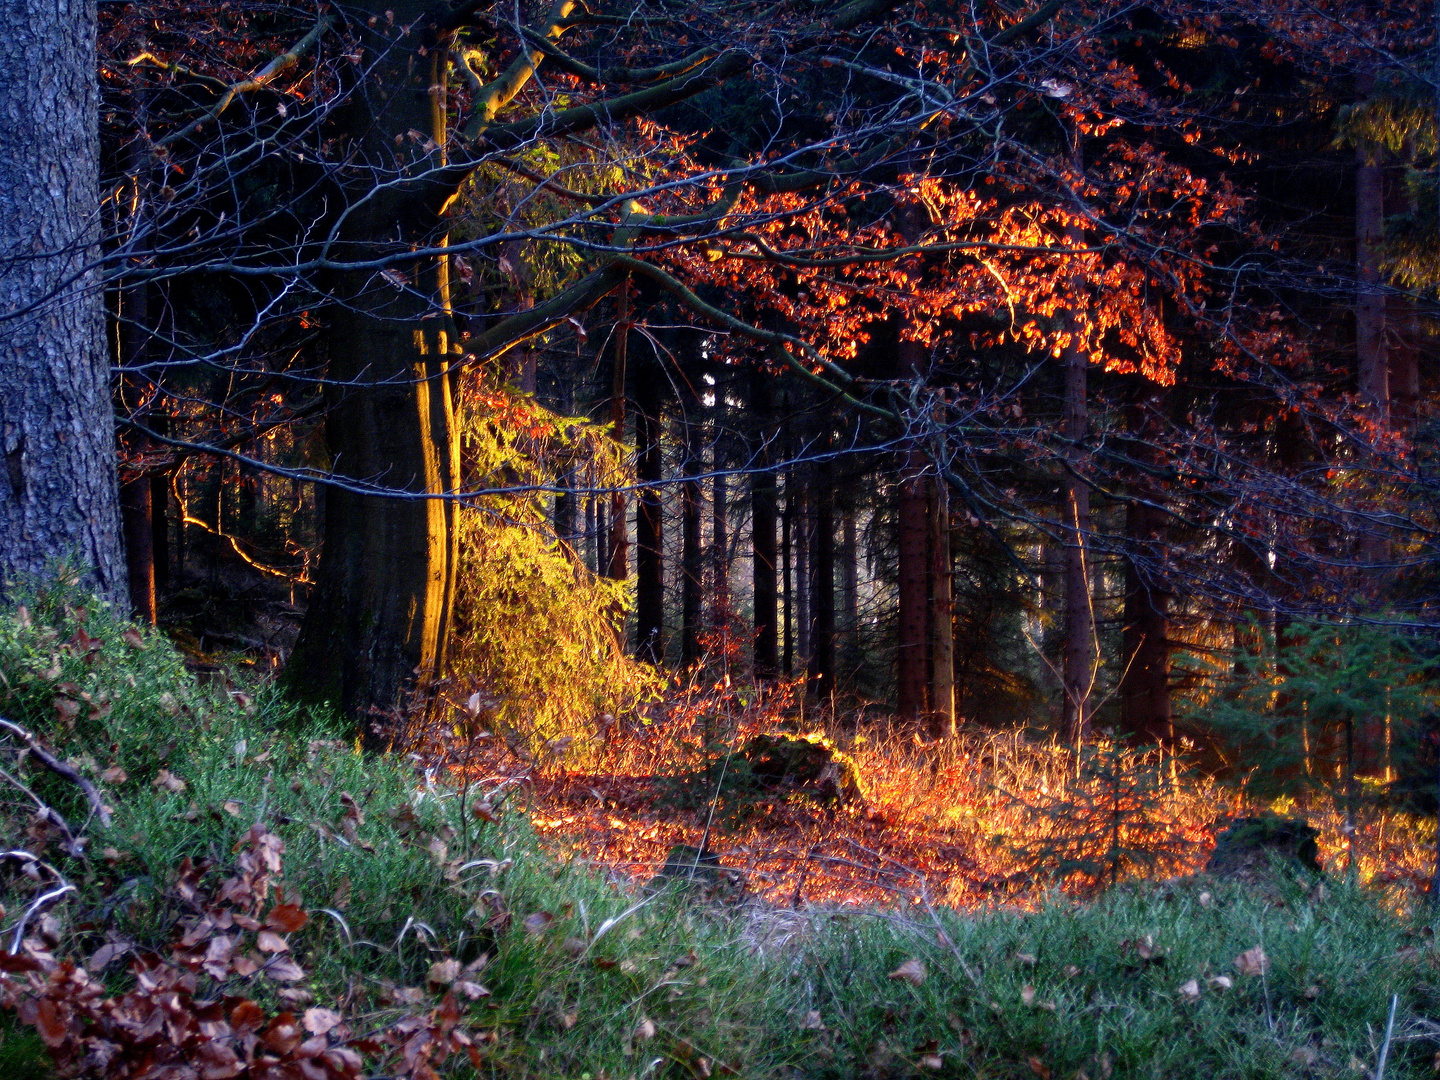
58,495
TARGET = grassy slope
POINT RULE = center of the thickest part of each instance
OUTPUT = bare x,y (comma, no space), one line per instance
587,977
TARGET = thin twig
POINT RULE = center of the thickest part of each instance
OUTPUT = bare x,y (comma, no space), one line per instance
41,901
55,765
1389,1034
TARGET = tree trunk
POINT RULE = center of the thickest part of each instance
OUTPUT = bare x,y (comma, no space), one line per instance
1372,365
822,638
849,621
618,568
1145,635
692,553
803,624
787,599
911,665
942,622
376,628
1078,672
720,518
58,495
762,523
649,529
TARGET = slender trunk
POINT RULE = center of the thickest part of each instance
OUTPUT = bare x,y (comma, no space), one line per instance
822,657
762,522
566,501
1078,670
692,555
58,491
911,669
1145,683
649,529
942,629
1371,363
849,649
619,560
720,518
787,532
803,624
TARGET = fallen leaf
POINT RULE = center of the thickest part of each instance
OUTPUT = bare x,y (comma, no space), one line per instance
912,971
443,972
932,1061
471,989
645,1029
538,922
1027,995
284,969
1038,1067
1221,982
1206,899
1190,990
319,1021
114,775
231,807
132,638
1070,971
811,1021
270,942
1025,959
1252,962
168,781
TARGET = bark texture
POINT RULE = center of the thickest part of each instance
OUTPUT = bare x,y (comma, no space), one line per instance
58,495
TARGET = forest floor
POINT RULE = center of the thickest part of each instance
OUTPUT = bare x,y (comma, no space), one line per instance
983,820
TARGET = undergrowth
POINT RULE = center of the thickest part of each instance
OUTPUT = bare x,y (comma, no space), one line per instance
273,903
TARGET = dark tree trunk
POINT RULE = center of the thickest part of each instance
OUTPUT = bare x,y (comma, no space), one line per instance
649,529
58,491
692,550
618,567
803,621
1078,670
762,522
1145,635
942,620
822,638
720,518
377,626
787,599
1145,684
849,621
911,652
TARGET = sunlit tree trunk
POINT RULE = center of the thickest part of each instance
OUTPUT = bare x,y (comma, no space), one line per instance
58,497
377,624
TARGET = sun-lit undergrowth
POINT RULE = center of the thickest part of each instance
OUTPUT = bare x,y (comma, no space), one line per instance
535,633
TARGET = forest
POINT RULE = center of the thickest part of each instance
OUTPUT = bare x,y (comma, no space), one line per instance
873,503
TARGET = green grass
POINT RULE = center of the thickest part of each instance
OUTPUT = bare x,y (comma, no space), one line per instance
585,977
